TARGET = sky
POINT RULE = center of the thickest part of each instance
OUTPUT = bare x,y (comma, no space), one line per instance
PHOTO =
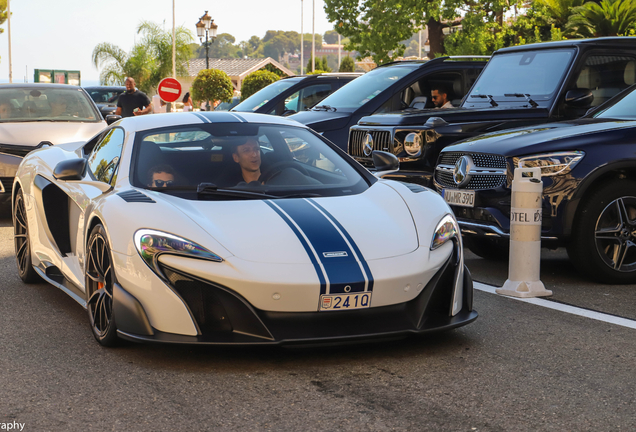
61,34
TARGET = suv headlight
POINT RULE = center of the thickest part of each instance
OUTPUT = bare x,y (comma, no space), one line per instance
413,144
151,244
446,229
551,164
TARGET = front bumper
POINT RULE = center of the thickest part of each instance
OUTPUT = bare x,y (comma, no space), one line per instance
224,318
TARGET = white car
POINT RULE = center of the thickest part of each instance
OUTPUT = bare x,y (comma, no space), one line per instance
154,228
37,115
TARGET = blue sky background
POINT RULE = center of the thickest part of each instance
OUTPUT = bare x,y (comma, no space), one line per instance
61,34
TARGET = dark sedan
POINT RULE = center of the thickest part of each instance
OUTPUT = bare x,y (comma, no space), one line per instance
589,186
105,97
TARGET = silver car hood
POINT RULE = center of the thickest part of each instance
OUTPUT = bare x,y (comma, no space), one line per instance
32,133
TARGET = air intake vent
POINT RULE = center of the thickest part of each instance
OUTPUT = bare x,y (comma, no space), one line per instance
135,196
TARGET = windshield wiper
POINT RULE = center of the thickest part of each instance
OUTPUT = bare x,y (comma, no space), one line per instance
324,107
212,189
532,103
489,97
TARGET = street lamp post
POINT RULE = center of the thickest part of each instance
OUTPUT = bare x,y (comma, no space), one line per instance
207,28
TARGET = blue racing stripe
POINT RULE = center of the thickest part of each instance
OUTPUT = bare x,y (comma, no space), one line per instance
342,268
321,276
205,120
353,244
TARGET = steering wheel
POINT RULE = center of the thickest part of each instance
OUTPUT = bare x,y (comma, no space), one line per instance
278,167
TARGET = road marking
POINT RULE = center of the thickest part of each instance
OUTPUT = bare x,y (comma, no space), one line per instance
599,316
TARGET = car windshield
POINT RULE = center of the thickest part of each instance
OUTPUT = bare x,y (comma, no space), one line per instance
105,96
241,161
264,95
509,77
45,104
622,109
226,106
361,90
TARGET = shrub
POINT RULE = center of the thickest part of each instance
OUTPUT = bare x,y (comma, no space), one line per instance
347,65
256,81
212,85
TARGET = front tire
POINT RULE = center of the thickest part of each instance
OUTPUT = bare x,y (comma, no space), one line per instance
100,281
603,243
22,241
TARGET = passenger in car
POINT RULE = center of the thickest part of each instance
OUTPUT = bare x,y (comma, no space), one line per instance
161,176
6,110
439,96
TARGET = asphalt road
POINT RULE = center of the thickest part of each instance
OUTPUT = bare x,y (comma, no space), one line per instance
519,367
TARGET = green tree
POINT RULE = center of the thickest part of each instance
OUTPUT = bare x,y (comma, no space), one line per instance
559,11
321,65
212,85
347,65
256,81
149,61
606,18
377,28
330,37
3,13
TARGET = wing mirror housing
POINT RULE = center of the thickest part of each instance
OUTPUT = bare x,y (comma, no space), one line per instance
72,169
112,118
385,161
579,97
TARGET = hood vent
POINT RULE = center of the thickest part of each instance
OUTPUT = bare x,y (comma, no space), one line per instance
134,196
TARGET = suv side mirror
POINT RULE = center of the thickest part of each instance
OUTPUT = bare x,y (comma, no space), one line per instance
110,119
72,169
288,113
385,161
579,97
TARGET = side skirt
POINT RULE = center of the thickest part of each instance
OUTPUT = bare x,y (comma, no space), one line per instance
53,276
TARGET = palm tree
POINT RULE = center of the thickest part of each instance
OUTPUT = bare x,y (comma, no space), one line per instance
158,45
607,18
150,59
560,10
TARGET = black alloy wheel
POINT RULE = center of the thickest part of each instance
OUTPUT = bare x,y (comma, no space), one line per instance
21,241
603,241
100,280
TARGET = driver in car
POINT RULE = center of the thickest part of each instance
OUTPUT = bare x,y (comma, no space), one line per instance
248,156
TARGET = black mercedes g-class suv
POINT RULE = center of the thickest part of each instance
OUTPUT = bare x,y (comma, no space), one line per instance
396,86
521,86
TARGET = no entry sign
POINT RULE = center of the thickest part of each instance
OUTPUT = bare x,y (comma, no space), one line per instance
169,89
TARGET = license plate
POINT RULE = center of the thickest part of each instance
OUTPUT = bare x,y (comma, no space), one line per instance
458,197
335,302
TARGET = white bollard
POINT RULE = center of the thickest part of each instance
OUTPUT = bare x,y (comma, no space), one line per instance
525,236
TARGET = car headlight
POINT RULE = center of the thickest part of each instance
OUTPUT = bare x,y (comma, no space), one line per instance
413,144
446,229
551,164
151,244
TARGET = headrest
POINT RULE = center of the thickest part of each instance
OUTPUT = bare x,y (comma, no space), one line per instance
589,78
630,73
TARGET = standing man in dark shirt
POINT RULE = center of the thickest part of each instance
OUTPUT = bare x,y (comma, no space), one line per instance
133,102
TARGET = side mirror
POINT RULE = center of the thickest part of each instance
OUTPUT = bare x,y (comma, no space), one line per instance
384,161
288,113
72,169
110,119
579,97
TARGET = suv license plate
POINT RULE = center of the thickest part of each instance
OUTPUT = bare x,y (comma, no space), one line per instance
459,197
335,302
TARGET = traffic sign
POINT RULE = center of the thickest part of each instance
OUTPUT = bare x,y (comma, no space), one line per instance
169,89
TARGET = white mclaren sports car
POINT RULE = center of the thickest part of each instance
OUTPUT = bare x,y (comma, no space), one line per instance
224,228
